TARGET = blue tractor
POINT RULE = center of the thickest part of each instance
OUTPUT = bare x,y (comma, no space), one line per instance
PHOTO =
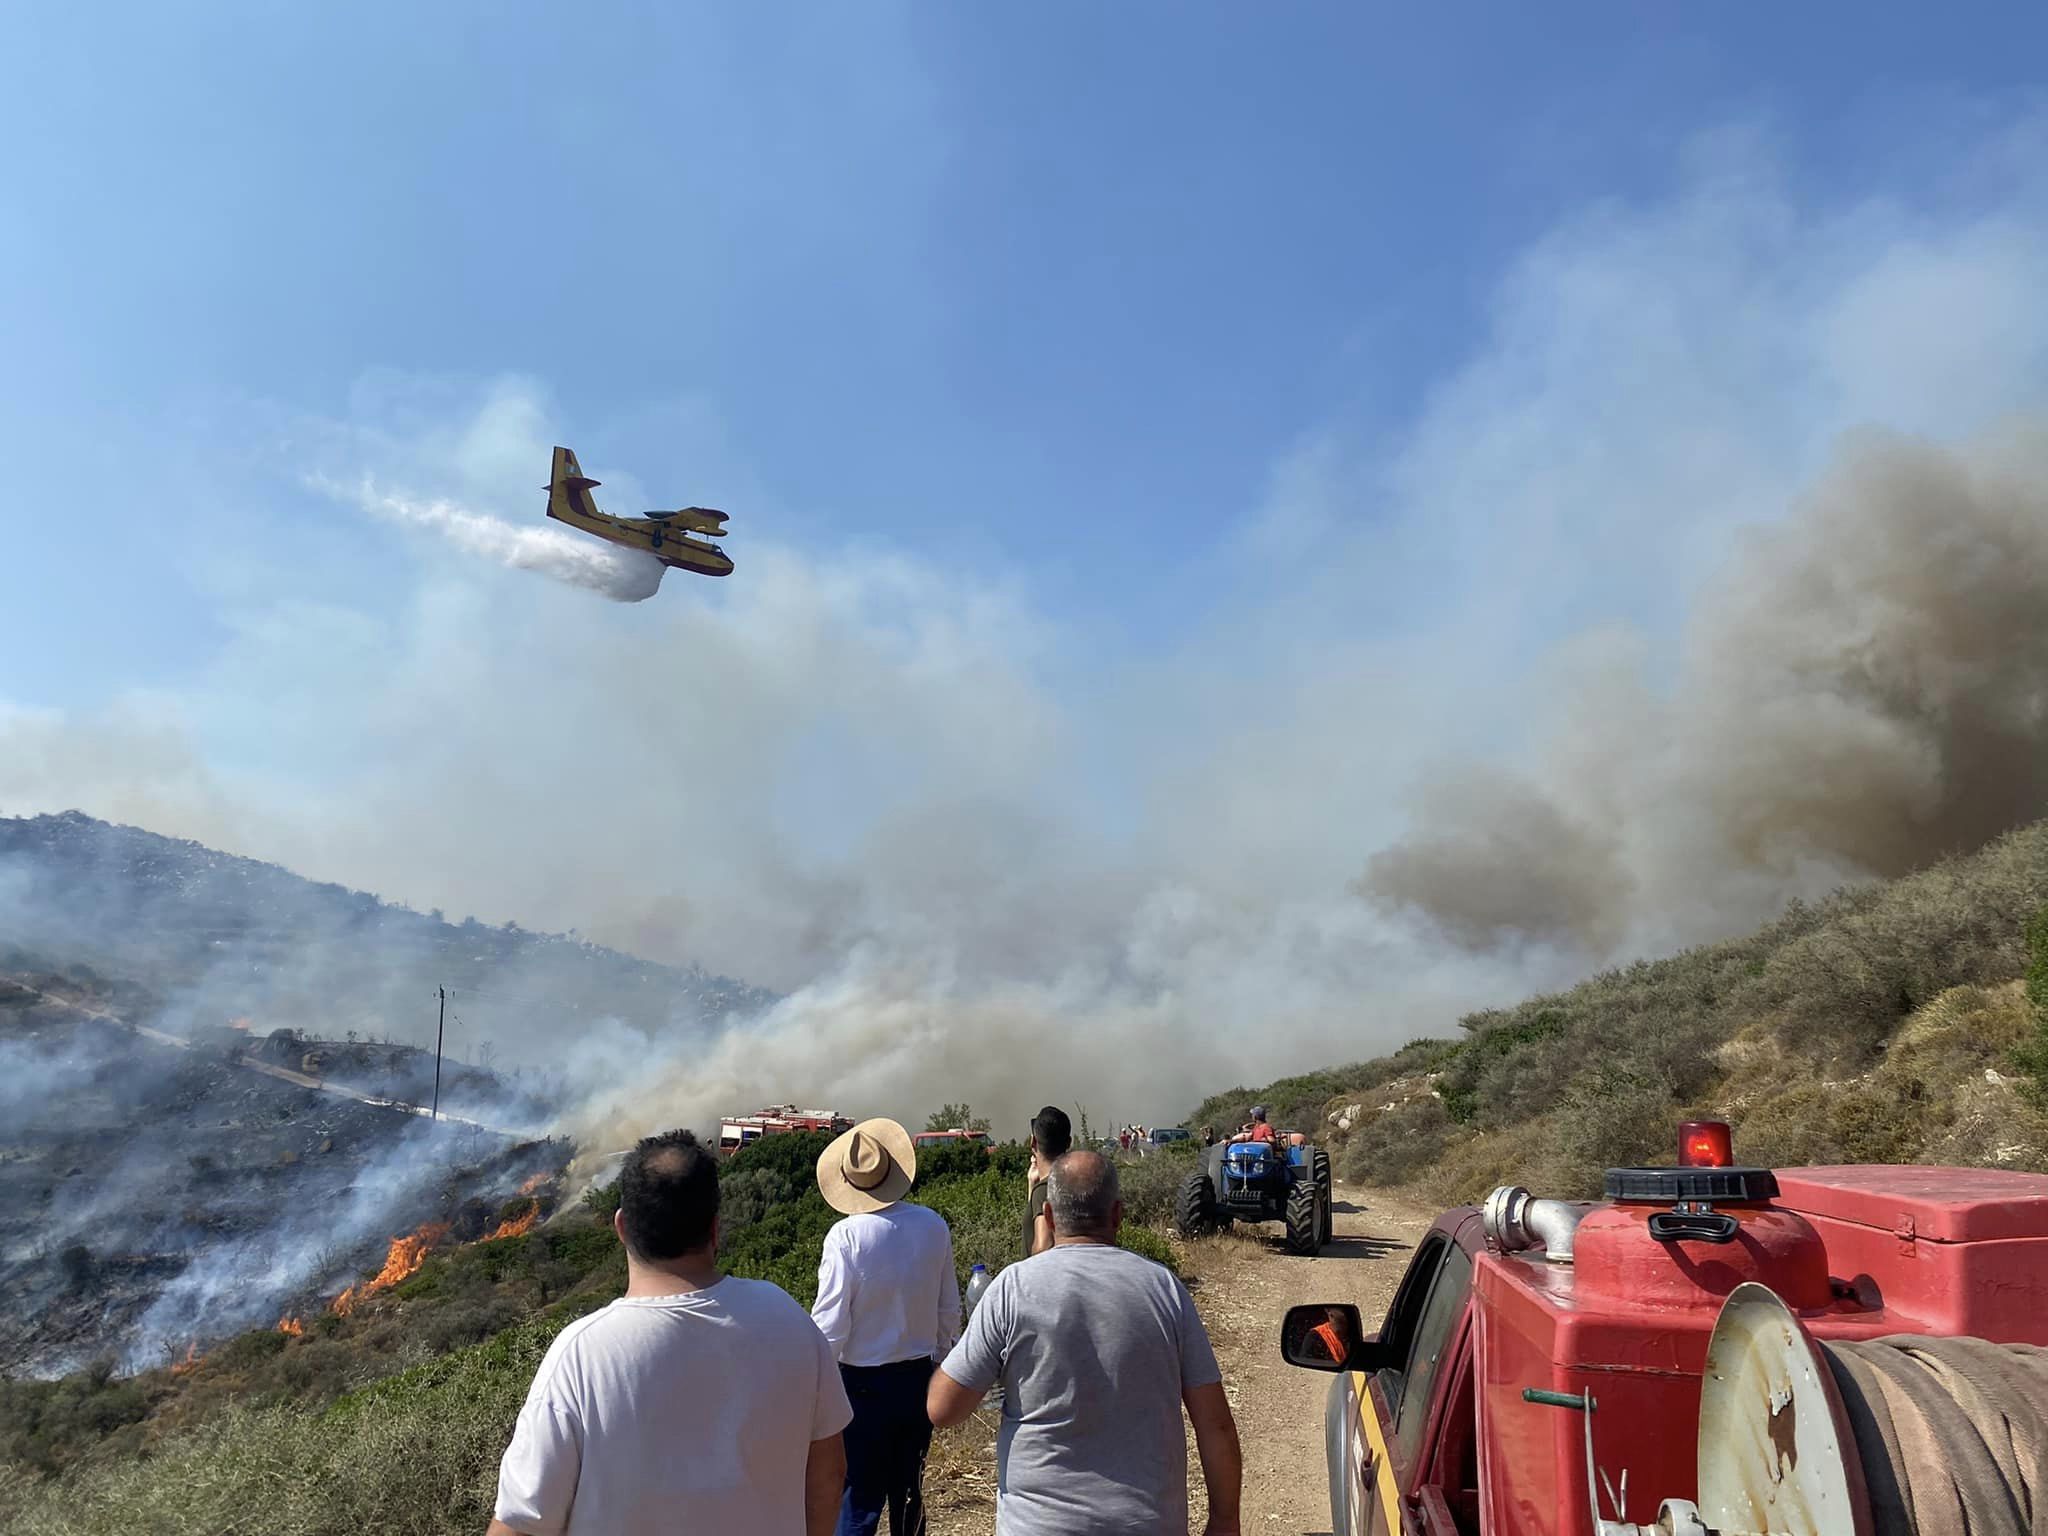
1273,1180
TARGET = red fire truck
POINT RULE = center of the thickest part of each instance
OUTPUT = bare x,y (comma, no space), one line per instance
1710,1349
940,1138
743,1130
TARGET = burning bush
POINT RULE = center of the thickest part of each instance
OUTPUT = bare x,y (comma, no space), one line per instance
515,1226
406,1255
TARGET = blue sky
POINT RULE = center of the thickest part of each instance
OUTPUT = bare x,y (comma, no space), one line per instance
1158,439
1048,290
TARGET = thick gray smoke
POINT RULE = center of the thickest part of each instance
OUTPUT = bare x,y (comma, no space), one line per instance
1864,689
1010,837
623,575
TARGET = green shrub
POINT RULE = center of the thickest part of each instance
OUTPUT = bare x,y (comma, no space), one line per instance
1495,1050
1148,1241
1398,1145
250,1348
1150,1185
951,1160
2031,1055
746,1196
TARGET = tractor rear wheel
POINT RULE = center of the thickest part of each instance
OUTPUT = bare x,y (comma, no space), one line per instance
1195,1211
1305,1218
1319,1161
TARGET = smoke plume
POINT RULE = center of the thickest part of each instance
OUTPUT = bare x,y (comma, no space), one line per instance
1656,660
1864,689
623,575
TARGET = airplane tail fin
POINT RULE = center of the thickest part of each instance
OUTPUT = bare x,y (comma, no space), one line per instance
568,474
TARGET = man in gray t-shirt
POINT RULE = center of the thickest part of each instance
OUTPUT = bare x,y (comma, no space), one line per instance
1097,1351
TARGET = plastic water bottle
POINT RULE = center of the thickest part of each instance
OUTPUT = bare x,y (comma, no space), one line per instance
977,1285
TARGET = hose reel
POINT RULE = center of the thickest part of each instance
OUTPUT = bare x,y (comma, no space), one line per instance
1898,1436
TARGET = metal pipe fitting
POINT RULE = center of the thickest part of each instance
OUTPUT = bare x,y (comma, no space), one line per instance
1515,1220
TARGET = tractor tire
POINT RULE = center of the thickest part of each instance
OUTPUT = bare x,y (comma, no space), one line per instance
1194,1212
1319,1161
1306,1214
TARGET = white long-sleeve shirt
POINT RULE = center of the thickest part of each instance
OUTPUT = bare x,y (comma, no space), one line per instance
886,1287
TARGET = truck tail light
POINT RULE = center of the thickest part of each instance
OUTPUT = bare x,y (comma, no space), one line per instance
1705,1144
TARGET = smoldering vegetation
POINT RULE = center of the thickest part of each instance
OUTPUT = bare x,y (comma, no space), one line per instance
1862,690
185,1150
155,1198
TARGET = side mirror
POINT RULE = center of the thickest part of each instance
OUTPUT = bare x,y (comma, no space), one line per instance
1323,1337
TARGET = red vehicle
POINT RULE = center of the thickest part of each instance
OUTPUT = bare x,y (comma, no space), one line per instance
940,1138
743,1130
1541,1357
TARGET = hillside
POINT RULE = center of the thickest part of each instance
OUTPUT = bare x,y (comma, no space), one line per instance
206,1064
156,1198
392,1414
218,936
1888,1023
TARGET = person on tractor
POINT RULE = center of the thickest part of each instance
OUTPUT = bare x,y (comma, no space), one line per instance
1256,1128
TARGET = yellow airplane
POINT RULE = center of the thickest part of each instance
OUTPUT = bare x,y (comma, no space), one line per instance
661,534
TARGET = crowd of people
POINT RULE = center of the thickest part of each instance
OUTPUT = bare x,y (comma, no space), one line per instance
699,1401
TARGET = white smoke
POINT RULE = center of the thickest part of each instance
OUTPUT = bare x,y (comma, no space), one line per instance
623,575
989,854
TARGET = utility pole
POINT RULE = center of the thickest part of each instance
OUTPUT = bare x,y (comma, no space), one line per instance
440,1029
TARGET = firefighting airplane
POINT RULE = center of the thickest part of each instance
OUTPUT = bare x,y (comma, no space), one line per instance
659,533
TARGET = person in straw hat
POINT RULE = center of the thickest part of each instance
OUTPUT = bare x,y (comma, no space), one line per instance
889,1306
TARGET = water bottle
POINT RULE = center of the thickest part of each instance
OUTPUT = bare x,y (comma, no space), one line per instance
977,1285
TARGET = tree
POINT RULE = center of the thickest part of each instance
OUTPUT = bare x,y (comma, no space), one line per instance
955,1117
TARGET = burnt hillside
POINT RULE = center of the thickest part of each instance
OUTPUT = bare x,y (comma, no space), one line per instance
154,1198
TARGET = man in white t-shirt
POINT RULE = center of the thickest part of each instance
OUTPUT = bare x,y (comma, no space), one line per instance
696,1402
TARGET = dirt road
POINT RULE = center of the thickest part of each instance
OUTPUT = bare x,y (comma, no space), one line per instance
1243,1284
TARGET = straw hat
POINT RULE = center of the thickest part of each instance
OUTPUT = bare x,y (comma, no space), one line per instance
867,1168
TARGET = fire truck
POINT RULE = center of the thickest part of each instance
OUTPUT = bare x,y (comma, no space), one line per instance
743,1130
1710,1350
941,1138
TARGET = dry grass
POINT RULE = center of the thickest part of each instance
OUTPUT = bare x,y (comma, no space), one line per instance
960,1476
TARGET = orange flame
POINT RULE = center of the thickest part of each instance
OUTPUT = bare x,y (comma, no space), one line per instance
407,1254
532,1185
291,1325
517,1226
192,1358
238,1023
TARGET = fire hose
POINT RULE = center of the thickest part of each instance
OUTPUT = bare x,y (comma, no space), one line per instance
1952,1433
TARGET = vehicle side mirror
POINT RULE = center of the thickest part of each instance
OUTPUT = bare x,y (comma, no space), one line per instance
1324,1337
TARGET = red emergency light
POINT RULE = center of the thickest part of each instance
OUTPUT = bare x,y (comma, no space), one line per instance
1705,1144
